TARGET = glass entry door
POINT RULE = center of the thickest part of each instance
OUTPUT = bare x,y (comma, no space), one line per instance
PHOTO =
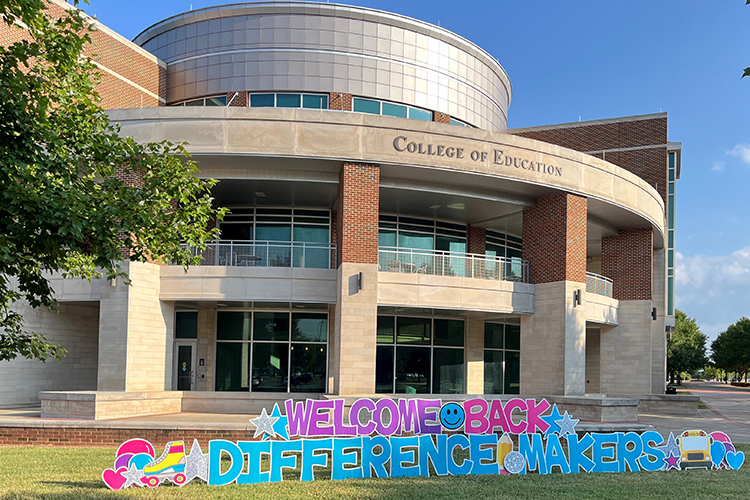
184,357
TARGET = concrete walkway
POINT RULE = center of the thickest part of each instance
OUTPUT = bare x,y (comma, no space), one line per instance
728,411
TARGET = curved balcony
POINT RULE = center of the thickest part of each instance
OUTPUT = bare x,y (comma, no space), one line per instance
267,254
461,265
598,284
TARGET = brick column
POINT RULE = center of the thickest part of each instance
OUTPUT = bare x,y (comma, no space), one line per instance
440,117
627,259
554,239
240,100
553,339
340,101
476,242
354,339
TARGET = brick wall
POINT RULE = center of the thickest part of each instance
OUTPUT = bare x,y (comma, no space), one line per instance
554,239
439,117
476,240
240,100
38,436
130,76
340,102
627,259
637,136
358,209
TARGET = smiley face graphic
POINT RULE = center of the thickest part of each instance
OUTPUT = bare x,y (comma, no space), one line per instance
452,416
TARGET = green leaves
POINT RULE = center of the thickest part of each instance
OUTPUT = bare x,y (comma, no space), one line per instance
74,195
686,348
746,73
731,349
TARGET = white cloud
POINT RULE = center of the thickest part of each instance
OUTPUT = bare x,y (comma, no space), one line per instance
713,289
741,151
718,166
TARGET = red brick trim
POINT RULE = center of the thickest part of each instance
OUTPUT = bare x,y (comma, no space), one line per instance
439,117
340,101
554,239
357,213
628,260
39,436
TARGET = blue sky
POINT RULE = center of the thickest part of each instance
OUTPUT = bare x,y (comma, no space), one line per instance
601,59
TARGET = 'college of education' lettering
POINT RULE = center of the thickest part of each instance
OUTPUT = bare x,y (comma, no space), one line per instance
402,144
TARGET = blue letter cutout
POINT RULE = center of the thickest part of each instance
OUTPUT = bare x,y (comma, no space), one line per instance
253,450
478,454
375,462
600,453
435,452
279,461
555,454
215,477
627,456
399,456
650,441
576,449
340,459
310,459
453,468
533,452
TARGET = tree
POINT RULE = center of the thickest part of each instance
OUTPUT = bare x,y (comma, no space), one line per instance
747,70
686,347
731,349
64,205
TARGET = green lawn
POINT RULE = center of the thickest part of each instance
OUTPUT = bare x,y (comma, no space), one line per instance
73,473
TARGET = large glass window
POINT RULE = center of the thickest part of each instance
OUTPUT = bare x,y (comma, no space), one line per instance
288,351
421,234
289,100
376,107
420,355
278,237
502,355
186,325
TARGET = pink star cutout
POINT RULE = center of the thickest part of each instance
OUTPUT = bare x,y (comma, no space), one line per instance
672,462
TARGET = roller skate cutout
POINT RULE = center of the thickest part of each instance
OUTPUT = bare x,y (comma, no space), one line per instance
136,465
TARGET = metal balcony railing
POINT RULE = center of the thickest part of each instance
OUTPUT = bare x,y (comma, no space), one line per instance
441,263
598,284
268,254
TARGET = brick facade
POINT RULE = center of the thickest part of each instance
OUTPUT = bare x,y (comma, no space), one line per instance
97,437
476,240
240,100
554,239
627,259
130,76
440,117
358,209
644,141
340,101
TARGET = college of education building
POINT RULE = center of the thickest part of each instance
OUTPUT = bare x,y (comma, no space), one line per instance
388,234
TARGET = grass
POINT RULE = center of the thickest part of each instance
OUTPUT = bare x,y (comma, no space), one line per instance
74,473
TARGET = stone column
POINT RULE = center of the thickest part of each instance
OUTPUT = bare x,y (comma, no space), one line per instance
354,340
627,354
553,339
206,340
474,356
136,333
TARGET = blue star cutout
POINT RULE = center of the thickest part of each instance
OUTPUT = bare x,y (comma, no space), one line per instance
551,420
279,427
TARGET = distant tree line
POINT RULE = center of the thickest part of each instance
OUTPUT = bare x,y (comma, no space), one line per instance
731,349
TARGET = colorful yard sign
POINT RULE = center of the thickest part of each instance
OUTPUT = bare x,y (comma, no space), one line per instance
404,437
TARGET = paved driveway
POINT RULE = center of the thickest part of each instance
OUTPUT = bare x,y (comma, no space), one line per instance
728,411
